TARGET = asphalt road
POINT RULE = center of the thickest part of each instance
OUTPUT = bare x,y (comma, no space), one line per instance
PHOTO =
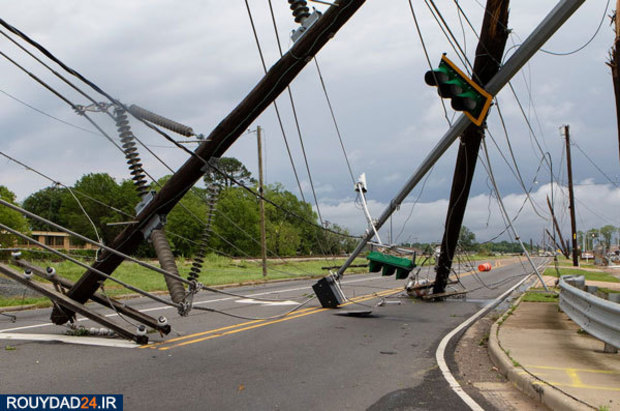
312,359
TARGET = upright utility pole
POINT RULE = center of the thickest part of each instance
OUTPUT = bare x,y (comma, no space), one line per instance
263,237
489,54
571,197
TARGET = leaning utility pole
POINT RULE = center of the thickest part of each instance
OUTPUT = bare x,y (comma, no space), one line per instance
614,64
545,29
489,54
571,197
279,76
261,201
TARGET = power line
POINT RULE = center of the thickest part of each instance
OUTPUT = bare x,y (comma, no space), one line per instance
331,110
430,65
587,43
47,114
275,105
594,164
449,35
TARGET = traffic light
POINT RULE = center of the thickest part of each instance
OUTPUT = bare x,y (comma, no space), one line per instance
466,95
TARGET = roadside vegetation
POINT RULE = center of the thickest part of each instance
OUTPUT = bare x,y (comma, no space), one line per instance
217,271
589,275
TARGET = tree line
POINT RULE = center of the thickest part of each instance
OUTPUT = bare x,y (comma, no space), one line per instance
97,206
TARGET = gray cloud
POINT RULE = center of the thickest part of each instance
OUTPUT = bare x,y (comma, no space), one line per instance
195,60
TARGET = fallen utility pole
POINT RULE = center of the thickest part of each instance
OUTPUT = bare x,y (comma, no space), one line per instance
279,76
554,20
489,52
67,303
571,199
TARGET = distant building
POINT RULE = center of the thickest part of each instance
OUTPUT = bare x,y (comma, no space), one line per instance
55,240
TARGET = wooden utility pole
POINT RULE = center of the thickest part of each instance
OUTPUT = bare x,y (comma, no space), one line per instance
489,54
614,64
263,237
279,76
571,198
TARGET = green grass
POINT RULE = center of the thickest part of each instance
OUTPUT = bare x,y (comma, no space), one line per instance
538,295
216,271
569,263
590,275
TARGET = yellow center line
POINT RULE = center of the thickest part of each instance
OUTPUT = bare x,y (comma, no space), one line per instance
261,323
226,330
185,337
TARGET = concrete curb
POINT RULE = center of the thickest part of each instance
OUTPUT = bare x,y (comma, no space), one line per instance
537,389
17,308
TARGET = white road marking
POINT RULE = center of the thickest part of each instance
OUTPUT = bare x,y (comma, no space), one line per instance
69,339
165,307
266,303
441,349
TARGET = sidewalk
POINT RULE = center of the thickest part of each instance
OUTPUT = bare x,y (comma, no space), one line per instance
541,351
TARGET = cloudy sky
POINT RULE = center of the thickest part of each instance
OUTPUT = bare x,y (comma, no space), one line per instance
193,61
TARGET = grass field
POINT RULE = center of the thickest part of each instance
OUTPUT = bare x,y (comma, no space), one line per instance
216,271
590,275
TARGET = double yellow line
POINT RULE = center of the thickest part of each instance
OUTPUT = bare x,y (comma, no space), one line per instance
250,325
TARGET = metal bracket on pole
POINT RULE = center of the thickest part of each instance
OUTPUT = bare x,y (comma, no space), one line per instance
99,298
73,305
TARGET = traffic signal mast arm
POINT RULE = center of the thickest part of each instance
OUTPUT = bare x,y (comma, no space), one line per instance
466,95
554,20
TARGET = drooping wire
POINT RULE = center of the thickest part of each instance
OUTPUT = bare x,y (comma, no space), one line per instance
331,110
445,28
275,104
430,65
593,163
60,96
516,171
113,100
587,43
53,181
116,102
48,115
415,202
297,126
87,267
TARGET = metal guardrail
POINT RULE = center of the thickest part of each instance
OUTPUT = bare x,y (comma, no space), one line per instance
598,317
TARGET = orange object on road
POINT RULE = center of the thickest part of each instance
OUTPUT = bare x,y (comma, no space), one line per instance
484,267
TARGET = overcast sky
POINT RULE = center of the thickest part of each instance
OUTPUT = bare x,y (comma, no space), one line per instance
193,61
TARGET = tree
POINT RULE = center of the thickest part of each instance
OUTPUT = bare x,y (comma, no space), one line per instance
607,232
230,167
103,188
467,239
46,203
236,224
10,218
185,221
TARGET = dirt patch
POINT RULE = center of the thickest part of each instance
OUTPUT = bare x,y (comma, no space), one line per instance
478,375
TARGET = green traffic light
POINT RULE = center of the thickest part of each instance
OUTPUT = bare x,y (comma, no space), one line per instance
465,94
